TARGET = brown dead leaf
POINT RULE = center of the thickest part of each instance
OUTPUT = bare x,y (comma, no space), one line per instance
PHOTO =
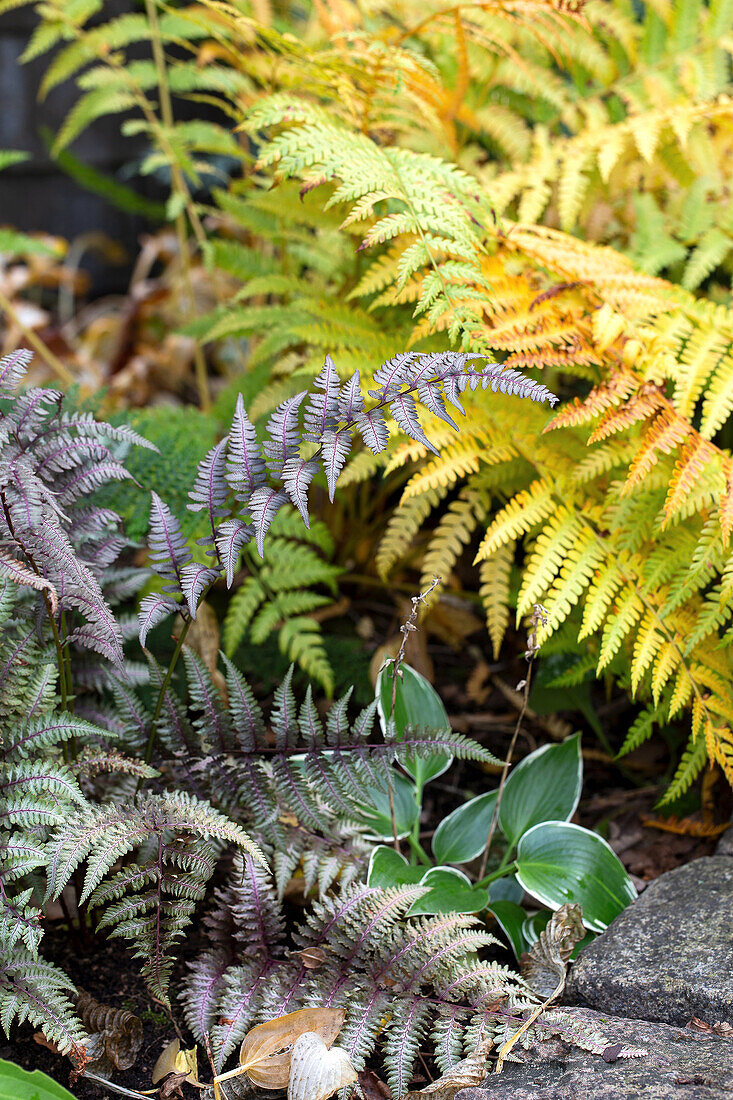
468,1073
311,957
266,1050
172,1087
372,1087
477,685
42,1041
720,1027
684,826
544,965
182,1063
451,620
204,639
119,1032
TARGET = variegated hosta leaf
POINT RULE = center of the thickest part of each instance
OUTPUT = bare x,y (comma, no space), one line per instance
317,1072
266,1051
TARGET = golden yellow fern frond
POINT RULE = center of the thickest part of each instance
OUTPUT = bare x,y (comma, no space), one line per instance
623,617
548,553
519,516
495,572
454,532
578,569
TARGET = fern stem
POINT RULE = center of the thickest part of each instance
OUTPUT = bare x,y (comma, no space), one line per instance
530,655
37,343
161,694
418,850
506,867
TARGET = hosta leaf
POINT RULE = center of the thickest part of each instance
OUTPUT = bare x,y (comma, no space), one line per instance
545,786
317,1072
558,862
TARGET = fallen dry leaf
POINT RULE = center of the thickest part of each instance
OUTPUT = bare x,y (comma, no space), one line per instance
317,1072
311,957
720,1027
120,1032
179,1062
544,966
172,1087
468,1073
266,1050
372,1087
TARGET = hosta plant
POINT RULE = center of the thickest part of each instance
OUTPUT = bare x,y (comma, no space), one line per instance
502,843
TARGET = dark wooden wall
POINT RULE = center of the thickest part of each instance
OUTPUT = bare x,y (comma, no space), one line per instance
37,195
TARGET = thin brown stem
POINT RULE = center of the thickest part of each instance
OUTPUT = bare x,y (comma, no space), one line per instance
41,349
538,616
405,630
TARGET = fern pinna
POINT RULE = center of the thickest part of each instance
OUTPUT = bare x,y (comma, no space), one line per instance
242,485
400,983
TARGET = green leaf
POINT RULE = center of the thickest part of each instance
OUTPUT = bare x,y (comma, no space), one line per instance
19,1084
506,889
558,862
22,245
535,924
510,918
417,706
388,868
545,786
11,156
375,812
450,892
462,835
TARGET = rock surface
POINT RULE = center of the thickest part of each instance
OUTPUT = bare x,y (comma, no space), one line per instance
725,844
669,956
679,1064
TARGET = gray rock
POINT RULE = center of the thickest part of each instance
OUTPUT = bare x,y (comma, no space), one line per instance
669,956
725,844
679,1064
